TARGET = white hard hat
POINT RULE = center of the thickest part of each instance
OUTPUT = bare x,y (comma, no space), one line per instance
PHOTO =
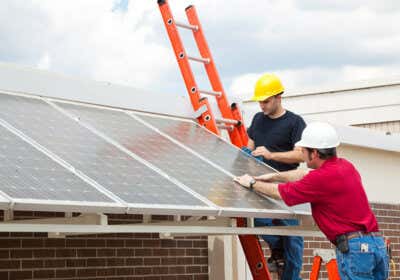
319,135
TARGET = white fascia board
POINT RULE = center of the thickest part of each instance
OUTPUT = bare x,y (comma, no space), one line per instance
362,137
344,100
16,79
359,85
358,116
148,228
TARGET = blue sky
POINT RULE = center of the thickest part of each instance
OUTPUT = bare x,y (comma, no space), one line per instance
308,43
121,5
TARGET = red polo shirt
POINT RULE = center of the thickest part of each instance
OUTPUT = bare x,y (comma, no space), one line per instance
338,200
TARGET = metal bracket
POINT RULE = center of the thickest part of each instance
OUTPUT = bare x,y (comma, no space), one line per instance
325,254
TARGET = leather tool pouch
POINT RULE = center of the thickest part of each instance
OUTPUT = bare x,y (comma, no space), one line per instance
342,243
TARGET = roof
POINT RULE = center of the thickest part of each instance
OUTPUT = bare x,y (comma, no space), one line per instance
17,79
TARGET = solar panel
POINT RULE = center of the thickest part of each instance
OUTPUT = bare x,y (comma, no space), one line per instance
113,169
174,160
28,174
214,148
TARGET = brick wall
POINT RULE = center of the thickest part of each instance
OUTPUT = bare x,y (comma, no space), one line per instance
137,256
103,257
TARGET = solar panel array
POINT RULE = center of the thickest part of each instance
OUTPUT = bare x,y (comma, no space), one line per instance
58,154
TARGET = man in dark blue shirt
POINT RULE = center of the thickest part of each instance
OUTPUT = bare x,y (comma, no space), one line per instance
272,135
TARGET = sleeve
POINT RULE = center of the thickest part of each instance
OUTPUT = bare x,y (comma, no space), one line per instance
305,190
298,130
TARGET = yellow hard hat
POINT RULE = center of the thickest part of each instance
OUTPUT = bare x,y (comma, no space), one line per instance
267,85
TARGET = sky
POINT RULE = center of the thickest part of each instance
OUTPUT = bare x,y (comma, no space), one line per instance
308,43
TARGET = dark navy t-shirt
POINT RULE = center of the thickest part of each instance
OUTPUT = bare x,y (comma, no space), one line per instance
277,135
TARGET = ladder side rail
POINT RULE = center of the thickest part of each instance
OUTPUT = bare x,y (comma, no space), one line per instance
212,73
254,254
332,269
242,129
316,266
207,118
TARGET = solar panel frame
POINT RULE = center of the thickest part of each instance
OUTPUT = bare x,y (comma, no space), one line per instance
135,208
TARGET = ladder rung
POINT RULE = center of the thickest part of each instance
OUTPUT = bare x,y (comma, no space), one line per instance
227,127
213,93
229,121
199,59
187,26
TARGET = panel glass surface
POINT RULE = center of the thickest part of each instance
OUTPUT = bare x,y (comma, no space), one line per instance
26,173
205,143
195,173
215,149
113,169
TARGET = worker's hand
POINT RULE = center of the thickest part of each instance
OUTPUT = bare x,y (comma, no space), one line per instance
244,180
269,177
262,151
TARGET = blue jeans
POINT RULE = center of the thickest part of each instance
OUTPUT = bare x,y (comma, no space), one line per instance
292,246
366,259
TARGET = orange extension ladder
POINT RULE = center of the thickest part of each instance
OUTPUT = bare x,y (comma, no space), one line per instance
231,116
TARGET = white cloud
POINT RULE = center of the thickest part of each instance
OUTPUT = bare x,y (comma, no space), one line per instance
86,38
44,62
307,43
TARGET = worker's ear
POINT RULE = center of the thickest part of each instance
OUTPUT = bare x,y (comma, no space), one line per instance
313,154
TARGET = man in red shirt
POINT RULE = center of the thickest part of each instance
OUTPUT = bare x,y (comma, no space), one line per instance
338,201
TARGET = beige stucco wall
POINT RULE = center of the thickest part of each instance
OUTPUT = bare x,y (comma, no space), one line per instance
380,172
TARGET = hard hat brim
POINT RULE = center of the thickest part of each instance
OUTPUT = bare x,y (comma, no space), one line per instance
304,144
264,97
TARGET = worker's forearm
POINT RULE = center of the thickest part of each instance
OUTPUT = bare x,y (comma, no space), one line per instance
268,189
287,157
290,176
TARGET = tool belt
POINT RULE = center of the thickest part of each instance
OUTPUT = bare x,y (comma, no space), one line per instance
342,241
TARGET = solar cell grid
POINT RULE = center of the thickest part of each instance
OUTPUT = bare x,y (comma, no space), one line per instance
27,173
113,169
